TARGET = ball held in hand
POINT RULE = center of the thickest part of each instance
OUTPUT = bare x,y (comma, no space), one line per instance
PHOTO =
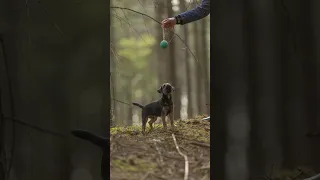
164,44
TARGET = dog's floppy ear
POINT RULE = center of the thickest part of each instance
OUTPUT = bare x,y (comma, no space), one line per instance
160,89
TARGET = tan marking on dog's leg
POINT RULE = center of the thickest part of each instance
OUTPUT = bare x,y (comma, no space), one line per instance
152,121
171,119
163,118
144,122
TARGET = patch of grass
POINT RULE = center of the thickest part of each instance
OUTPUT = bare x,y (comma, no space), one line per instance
129,130
133,165
193,129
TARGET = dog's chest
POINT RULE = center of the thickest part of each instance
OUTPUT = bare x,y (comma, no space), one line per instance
166,108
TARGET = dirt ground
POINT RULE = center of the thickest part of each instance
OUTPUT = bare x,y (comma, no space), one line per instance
155,156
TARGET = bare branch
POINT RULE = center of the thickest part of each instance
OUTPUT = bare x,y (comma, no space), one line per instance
200,144
121,101
34,127
128,9
52,23
136,31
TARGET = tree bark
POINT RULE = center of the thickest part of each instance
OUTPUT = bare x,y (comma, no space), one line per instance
173,77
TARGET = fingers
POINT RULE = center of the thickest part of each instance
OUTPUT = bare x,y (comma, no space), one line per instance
166,23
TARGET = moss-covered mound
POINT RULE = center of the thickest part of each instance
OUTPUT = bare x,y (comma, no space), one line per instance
154,155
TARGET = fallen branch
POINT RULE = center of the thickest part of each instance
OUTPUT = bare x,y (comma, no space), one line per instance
145,176
186,162
159,152
315,177
200,144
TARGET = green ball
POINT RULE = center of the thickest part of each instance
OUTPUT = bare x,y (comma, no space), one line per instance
164,44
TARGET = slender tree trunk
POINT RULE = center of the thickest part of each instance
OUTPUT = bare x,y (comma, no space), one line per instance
205,64
298,151
187,64
198,81
231,123
160,59
113,76
173,67
264,72
315,5
129,99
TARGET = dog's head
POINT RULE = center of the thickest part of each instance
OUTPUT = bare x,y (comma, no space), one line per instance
166,89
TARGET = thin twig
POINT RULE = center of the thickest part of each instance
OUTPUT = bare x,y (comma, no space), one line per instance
296,176
121,101
114,54
34,127
52,23
128,9
315,177
200,144
12,107
128,23
145,176
186,162
145,10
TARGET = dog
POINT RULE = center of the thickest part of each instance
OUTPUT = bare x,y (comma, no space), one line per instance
101,142
161,108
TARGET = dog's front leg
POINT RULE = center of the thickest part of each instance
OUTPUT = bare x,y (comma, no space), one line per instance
171,119
163,118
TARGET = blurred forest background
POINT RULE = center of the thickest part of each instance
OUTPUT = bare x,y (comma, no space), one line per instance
139,65
265,86
54,77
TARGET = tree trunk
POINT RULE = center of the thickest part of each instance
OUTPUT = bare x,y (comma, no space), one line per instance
173,67
264,76
205,65
229,78
198,82
187,64
161,60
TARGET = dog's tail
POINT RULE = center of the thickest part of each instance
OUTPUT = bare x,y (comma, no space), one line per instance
93,138
139,105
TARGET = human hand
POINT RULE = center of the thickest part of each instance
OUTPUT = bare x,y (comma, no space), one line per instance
169,23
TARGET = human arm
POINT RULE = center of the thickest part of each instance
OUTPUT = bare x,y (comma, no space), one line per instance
194,14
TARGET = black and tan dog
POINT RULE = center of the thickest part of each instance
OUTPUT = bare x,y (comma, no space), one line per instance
101,142
160,108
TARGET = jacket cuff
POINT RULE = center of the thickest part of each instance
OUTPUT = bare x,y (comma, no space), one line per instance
178,20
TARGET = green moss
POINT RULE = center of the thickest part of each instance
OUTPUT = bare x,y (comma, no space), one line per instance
193,129
133,165
129,130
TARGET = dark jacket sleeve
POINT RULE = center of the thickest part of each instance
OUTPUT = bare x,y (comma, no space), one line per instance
196,13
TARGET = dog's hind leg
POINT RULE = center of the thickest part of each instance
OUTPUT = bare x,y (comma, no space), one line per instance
152,121
144,122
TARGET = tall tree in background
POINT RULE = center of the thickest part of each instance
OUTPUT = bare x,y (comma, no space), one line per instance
183,7
205,63
263,52
159,37
172,68
230,81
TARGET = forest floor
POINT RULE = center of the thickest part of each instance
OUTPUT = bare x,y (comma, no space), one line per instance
155,156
